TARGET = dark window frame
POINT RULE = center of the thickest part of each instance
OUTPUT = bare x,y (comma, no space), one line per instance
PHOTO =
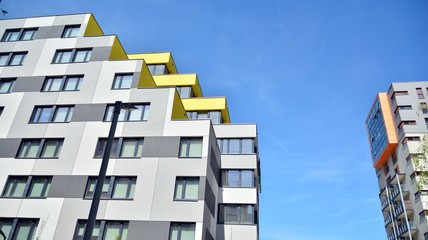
125,114
35,117
15,224
103,226
222,214
240,178
180,225
184,181
118,146
226,142
57,59
30,181
7,80
41,147
11,56
21,34
111,182
118,78
69,30
47,84
188,141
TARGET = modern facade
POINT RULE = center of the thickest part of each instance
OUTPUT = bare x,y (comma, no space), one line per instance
178,170
397,130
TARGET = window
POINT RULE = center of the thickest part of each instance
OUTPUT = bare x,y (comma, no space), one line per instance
182,231
103,230
423,214
6,84
186,188
141,113
426,235
237,178
121,148
113,187
19,34
185,92
1,110
62,83
402,123
404,107
72,56
27,187
236,214
158,69
420,93
399,93
236,146
71,31
50,114
12,58
40,148
215,116
19,228
122,81
410,138
191,147
423,107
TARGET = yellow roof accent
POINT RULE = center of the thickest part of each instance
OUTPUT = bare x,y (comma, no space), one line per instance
157,58
117,51
208,104
180,80
146,79
93,29
178,111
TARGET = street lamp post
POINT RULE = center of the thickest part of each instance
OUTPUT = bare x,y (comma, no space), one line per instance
102,174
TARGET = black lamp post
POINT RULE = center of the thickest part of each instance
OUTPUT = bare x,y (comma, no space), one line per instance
118,105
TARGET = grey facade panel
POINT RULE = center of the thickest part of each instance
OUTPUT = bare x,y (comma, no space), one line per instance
28,84
9,147
88,112
208,235
161,146
210,198
68,186
202,183
100,54
215,166
135,80
148,230
49,32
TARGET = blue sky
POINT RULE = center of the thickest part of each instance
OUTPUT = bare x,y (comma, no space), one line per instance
306,71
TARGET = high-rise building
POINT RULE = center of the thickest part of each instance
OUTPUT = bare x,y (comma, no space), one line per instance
397,131
178,170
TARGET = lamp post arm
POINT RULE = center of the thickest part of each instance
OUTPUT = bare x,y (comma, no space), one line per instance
102,174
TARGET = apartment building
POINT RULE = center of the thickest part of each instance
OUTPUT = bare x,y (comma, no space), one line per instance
179,168
397,130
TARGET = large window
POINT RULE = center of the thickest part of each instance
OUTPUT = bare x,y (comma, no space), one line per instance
186,188
215,116
19,34
185,92
122,81
62,83
236,214
114,187
71,31
49,114
182,231
27,187
158,69
6,84
237,178
140,113
12,58
72,56
19,228
103,230
121,148
236,146
191,147
40,148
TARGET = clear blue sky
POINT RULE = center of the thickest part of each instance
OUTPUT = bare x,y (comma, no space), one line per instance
306,71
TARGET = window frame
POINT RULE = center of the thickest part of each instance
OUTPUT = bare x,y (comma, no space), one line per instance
225,174
153,69
28,187
47,86
52,115
144,116
184,181
69,34
180,225
103,226
42,145
222,214
221,144
6,80
57,59
119,77
15,224
188,141
11,56
110,182
117,147
21,34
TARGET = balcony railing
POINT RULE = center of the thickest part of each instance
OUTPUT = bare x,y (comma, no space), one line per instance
403,230
388,220
391,236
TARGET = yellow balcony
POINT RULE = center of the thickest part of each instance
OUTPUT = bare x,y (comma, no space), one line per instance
157,58
180,80
208,104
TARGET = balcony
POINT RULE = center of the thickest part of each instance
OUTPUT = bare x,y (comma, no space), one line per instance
401,177
395,192
388,221
385,204
403,231
399,210
391,236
